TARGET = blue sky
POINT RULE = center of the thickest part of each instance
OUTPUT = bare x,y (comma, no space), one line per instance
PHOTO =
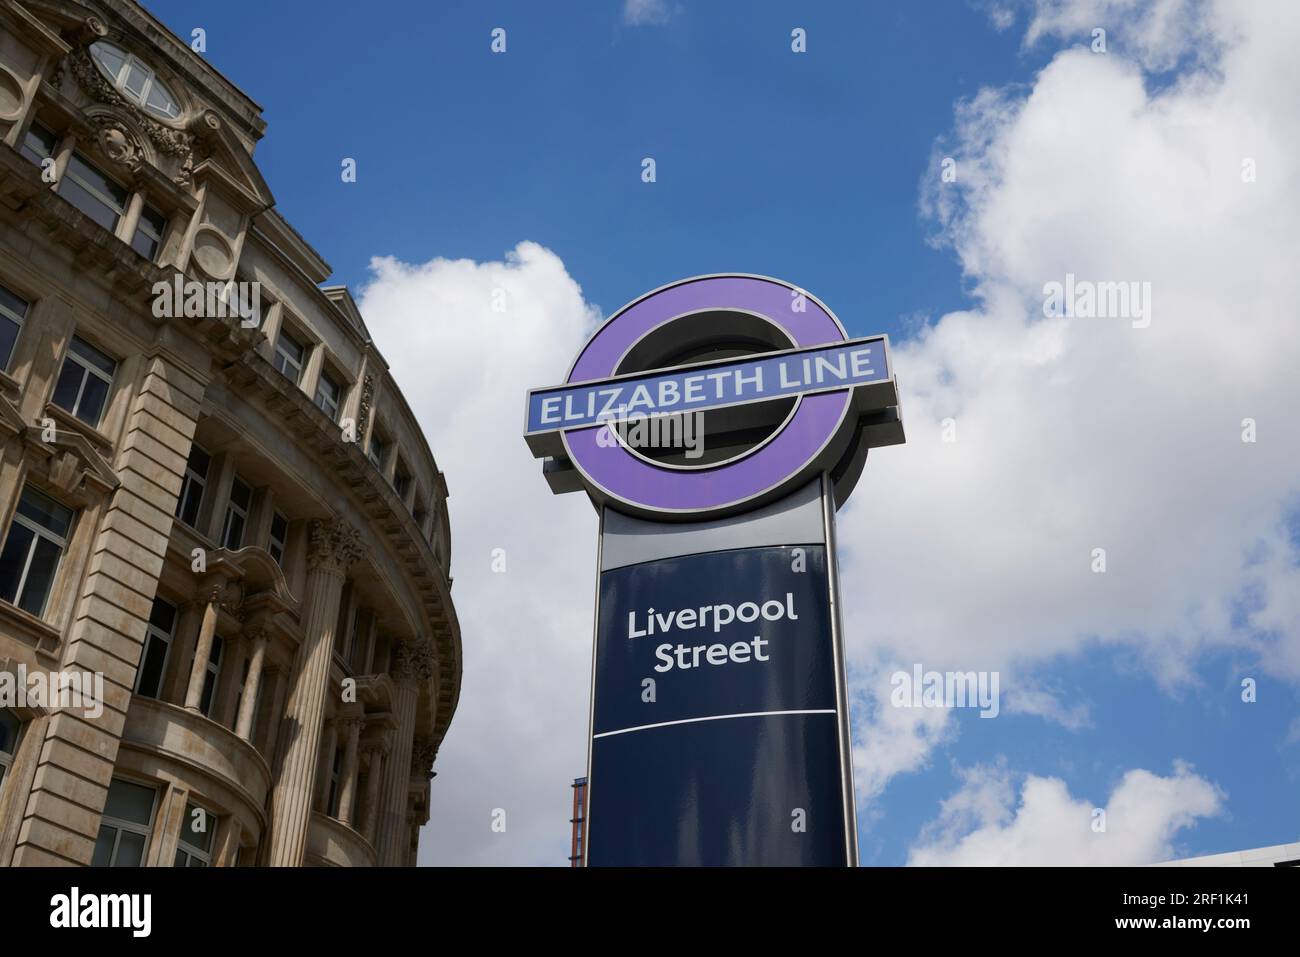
813,168
802,167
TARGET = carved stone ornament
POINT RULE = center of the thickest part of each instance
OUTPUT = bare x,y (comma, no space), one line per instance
423,754
335,545
228,596
416,661
169,141
363,411
65,471
118,142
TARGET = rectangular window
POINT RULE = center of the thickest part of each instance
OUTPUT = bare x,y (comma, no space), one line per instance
196,480
149,233
354,637
328,394
401,481
332,806
32,550
126,825
158,640
13,312
95,194
289,355
241,497
378,450
9,728
39,143
279,537
84,382
197,831
210,679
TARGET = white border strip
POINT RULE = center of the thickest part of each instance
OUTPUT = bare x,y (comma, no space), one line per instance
714,717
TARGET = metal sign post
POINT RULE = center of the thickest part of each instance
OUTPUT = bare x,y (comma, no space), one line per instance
719,730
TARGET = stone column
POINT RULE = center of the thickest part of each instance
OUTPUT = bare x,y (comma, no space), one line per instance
415,664
348,773
176,681
248,703
226,852
229,676
202,651
274,714
334,547
374,777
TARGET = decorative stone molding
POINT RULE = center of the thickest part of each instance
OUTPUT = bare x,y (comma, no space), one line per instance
423,754
416,661
226,595
119,142
74,465
363,410
347,722
172,142
335,545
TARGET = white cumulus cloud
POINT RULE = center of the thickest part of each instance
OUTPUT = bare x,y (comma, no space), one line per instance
1078,434
518,737
995,820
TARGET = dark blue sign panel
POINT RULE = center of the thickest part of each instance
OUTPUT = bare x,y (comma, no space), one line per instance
715,724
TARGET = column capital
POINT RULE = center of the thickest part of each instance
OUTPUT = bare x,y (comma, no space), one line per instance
350,724
415,662
335,545
423,754
255,633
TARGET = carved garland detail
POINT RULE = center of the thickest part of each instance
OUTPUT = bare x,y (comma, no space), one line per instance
363,411
170,141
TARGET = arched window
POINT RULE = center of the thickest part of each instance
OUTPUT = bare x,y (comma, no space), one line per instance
135,80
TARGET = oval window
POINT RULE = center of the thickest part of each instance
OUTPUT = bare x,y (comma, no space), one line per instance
135,80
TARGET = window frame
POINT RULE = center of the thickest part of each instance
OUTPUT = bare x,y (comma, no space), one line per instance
300,363
87,369
188,481
120,824
7,758
403,480
212,672
377,437
19,322
55,137
70,174
154,633
141,99
240,510
282,543
333,799
190,851
38,532
140,225
326,376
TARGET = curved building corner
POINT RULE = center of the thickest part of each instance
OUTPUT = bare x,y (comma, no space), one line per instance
219,508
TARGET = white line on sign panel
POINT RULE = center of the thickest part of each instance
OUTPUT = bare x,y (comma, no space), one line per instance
713,717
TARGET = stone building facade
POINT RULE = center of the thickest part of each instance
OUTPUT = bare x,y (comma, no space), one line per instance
228,513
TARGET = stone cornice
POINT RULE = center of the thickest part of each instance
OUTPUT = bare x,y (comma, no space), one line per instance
254,378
